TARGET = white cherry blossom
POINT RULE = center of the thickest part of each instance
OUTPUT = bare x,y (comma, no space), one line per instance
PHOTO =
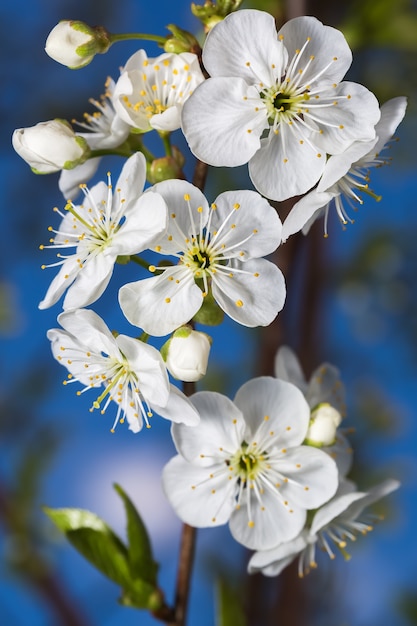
217,251
106,130
245,464
333,524
109,223
346,176
276,100
131,372
150,93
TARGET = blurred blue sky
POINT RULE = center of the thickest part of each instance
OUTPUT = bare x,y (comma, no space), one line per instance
356,327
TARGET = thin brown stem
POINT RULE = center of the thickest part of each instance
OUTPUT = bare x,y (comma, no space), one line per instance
185,565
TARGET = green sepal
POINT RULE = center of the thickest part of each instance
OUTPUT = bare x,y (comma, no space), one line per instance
210,313
96,541
229,608
140,557
123,259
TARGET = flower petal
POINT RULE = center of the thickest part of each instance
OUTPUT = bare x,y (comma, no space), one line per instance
271,521
160,304
327,49
304,210
220,432
146,221
178,409
247,297
287,367
245,44
253,219
272,562
91,281
281,402
286,165
198,496
221,122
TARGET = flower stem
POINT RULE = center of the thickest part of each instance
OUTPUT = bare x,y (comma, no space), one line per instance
125,36
187,550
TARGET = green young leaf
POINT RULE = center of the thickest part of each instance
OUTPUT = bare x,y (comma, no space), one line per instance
229,608
95,541
142,565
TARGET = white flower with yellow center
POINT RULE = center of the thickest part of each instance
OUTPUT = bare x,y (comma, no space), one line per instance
109,223
106,130
245,464
333,524
346,176
132,373
276,101
218,252
150,93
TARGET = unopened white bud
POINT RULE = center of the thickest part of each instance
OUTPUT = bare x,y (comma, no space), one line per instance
50,146
74,43
186,354
323,426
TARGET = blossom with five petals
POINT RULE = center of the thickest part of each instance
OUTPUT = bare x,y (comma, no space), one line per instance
245,464
218,250
132,373
109,223
340,519
276,101
150,93
346,175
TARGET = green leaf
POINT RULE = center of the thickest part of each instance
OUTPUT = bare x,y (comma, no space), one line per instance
142,565
95,541
229,609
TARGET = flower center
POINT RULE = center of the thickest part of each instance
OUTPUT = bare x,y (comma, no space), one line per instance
282,103
248,462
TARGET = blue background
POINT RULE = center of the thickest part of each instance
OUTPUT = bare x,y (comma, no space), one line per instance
366,326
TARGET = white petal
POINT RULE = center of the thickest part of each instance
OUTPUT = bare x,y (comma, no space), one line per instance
160,305
392,112
220,432
272,562
91,281
273,521
342,454
352,119
197,498
60,283
132,178
312,474
326,44
287,367
254,219
145,223
221,123
281,402
70,180
247,36
374,494
337,506
339,164
149,367
284,167
90,331
325,386
169,120
179,226
248,298
178,409
305,210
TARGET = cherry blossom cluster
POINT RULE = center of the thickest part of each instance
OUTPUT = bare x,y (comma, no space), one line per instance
273,462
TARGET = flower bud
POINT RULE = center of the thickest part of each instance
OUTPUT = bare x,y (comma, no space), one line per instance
323,426
74,43
181,41
186,354
50,146
166,167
